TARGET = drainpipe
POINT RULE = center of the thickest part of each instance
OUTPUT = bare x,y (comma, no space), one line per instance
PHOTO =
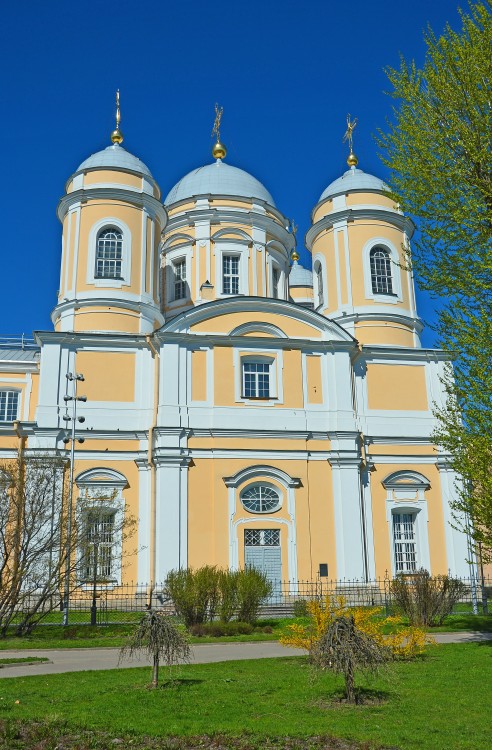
362,467
150,458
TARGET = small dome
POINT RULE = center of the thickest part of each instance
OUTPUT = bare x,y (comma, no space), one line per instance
218,179
353,179
116,157
300,276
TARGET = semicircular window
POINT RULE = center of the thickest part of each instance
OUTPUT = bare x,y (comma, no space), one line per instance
260,499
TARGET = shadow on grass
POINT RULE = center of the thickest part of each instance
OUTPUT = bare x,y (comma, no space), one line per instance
363,697
178,683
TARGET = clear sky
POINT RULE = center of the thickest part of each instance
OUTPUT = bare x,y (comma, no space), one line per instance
286,71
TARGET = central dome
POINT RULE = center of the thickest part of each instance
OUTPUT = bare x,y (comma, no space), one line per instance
218,179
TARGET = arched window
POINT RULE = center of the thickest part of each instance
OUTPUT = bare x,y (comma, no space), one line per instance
260,499
320,292
109,254
381,277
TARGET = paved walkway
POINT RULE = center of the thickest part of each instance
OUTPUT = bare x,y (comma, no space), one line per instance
83,659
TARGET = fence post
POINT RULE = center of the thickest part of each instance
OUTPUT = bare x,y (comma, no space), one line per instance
386,594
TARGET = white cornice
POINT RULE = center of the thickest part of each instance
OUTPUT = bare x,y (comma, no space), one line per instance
330,329
140,199
349,215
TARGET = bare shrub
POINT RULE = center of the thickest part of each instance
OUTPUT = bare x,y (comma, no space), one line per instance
161,639
426,600
346,650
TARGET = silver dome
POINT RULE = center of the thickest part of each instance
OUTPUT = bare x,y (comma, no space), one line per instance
218,179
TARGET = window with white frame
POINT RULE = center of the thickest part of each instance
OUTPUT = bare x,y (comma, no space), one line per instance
256,379
260,498
405,544
275,281
230,274
101,524
179,269
99,545
9,405
109,254
381,275
319,285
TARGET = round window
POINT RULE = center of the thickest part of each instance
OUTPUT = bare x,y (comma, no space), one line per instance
260,499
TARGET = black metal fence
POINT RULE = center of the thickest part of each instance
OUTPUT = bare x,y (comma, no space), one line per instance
126,603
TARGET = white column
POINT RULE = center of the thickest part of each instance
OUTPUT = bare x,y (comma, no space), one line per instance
171,523
348,525
456,541
144,521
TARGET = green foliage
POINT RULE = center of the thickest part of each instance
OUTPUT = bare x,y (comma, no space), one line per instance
161,639
200,594
195,593
300,608
426,600
439,150
219,629
253,587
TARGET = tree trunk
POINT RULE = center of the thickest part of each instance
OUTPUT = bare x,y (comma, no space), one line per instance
155,671
350,682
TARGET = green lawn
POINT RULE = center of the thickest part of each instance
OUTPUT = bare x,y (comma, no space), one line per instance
114,636
439,702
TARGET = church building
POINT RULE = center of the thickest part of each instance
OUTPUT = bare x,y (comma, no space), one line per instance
245,409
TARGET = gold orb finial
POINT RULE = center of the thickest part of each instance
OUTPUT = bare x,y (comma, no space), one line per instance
295,256
352,160
219,151
117,135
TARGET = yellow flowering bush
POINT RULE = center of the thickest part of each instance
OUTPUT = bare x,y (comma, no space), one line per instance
404,641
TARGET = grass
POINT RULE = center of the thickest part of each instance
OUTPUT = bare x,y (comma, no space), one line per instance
439,702
23,660
79,635
114,636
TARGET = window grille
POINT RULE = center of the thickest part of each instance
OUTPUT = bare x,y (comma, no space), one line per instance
230,274
100,533
180,279
9,405
275,282
109,254
381,278
260,499
256,380
404,541
262,537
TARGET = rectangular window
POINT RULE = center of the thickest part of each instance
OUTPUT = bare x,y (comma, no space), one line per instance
230,274
262,537
179,279
99,540
256,380
9,406
275,281
404,541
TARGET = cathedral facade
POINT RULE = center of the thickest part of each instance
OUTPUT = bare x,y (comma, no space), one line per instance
245,409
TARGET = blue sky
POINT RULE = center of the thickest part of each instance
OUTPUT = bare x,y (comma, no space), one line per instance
287,74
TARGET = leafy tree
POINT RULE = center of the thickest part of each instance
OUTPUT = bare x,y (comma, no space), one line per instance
161,639
439,151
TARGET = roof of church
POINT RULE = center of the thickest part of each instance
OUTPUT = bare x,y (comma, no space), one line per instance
115,156
353,179
219,179
300,276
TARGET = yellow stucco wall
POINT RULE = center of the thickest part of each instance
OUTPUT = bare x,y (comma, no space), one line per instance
99,368
401,387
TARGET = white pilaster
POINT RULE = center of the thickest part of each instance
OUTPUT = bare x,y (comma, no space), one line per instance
456,541
348,526
171,523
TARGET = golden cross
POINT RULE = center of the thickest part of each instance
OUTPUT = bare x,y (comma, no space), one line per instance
349,132
218,118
